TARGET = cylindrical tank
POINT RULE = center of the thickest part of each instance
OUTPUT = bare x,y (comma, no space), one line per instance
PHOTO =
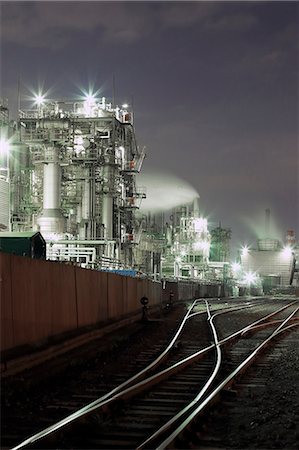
107,199
107,215
51,220
52,183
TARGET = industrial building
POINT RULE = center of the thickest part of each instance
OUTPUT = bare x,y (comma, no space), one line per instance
271,262
72,168
69,169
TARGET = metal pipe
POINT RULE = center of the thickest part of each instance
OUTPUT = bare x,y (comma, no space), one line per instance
107,215
80,242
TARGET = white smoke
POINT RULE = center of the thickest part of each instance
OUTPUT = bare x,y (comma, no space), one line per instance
164,191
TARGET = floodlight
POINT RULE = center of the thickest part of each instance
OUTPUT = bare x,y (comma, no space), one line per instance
236,267
250,277
287,252
39,99
245,251
89,99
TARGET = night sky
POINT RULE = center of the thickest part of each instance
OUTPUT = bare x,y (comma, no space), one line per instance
214,87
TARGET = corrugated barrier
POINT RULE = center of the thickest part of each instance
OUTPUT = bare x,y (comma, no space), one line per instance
42,299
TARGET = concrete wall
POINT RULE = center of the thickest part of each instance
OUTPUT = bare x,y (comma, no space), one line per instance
41,299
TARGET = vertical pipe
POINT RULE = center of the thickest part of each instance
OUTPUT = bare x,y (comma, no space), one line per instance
52,177
107,215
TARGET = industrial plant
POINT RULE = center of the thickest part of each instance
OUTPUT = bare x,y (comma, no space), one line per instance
69,171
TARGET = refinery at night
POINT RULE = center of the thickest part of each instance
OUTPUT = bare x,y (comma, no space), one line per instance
149,240
69,170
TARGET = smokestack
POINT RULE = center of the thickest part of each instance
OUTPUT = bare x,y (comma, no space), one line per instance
196,207
267,222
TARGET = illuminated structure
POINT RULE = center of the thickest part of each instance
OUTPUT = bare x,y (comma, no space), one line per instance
4,168
272,262
187,243
73,179
220,244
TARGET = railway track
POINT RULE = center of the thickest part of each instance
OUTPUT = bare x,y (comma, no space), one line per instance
154,408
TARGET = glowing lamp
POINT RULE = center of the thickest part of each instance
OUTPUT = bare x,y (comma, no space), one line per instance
244,251
250,278
89,99
286,252
39,99
236,267
200,224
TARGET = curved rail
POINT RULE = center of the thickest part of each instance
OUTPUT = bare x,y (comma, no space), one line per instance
226,382
100,402
125,391
204,389
191,405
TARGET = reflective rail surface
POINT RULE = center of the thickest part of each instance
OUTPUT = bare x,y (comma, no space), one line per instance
154,407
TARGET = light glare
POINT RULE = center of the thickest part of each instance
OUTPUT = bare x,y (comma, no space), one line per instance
249,278
39,99
287,252
236,267
245,251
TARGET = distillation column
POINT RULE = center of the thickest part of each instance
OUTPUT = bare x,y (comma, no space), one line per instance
107,202
108,194
51,220
88,228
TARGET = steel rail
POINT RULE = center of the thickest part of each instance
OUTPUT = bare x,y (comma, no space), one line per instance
226,382
191,405
267,324
117,393
123,394
206,386
101,401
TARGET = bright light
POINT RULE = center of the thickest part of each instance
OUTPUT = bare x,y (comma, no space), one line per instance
89,105
286,252
89,100
249,278
200,225
236,267
125,105
244,251
39,99
205,245
201,245
4,146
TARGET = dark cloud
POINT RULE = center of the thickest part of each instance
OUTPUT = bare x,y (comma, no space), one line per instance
52,24
215,87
